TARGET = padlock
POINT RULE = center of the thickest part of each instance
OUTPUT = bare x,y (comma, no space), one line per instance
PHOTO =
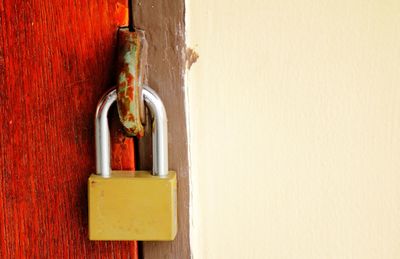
126,205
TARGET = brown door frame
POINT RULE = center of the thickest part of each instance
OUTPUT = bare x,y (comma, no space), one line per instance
163,21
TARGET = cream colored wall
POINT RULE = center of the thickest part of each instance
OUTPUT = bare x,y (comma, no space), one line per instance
294,110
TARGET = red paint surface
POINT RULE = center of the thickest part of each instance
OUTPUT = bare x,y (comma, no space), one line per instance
122,155
56,60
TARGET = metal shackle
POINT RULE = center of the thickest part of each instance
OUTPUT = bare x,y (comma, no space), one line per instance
159,132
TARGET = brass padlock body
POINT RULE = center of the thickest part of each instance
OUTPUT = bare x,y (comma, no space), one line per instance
132,206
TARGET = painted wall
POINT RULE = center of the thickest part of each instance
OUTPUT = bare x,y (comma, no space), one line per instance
294,111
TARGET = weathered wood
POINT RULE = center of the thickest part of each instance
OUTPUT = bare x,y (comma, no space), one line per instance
56,60
163,22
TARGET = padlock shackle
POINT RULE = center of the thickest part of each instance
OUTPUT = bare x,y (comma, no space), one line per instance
159,131
159,135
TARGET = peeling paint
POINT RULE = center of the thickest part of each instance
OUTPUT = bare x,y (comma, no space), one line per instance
191,57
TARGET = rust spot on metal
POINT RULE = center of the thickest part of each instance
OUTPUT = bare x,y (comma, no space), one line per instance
130,93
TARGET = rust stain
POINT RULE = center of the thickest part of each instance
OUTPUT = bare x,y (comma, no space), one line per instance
132,58
191,57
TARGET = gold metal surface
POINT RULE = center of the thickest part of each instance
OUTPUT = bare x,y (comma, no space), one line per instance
132,206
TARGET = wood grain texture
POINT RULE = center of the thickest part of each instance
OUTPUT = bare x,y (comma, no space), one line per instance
56,60
163,22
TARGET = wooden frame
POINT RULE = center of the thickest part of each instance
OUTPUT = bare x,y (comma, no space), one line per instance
163,22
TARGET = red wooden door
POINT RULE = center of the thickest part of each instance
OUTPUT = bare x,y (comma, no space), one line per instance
56,60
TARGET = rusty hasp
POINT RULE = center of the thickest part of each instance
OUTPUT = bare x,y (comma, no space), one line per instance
132,60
